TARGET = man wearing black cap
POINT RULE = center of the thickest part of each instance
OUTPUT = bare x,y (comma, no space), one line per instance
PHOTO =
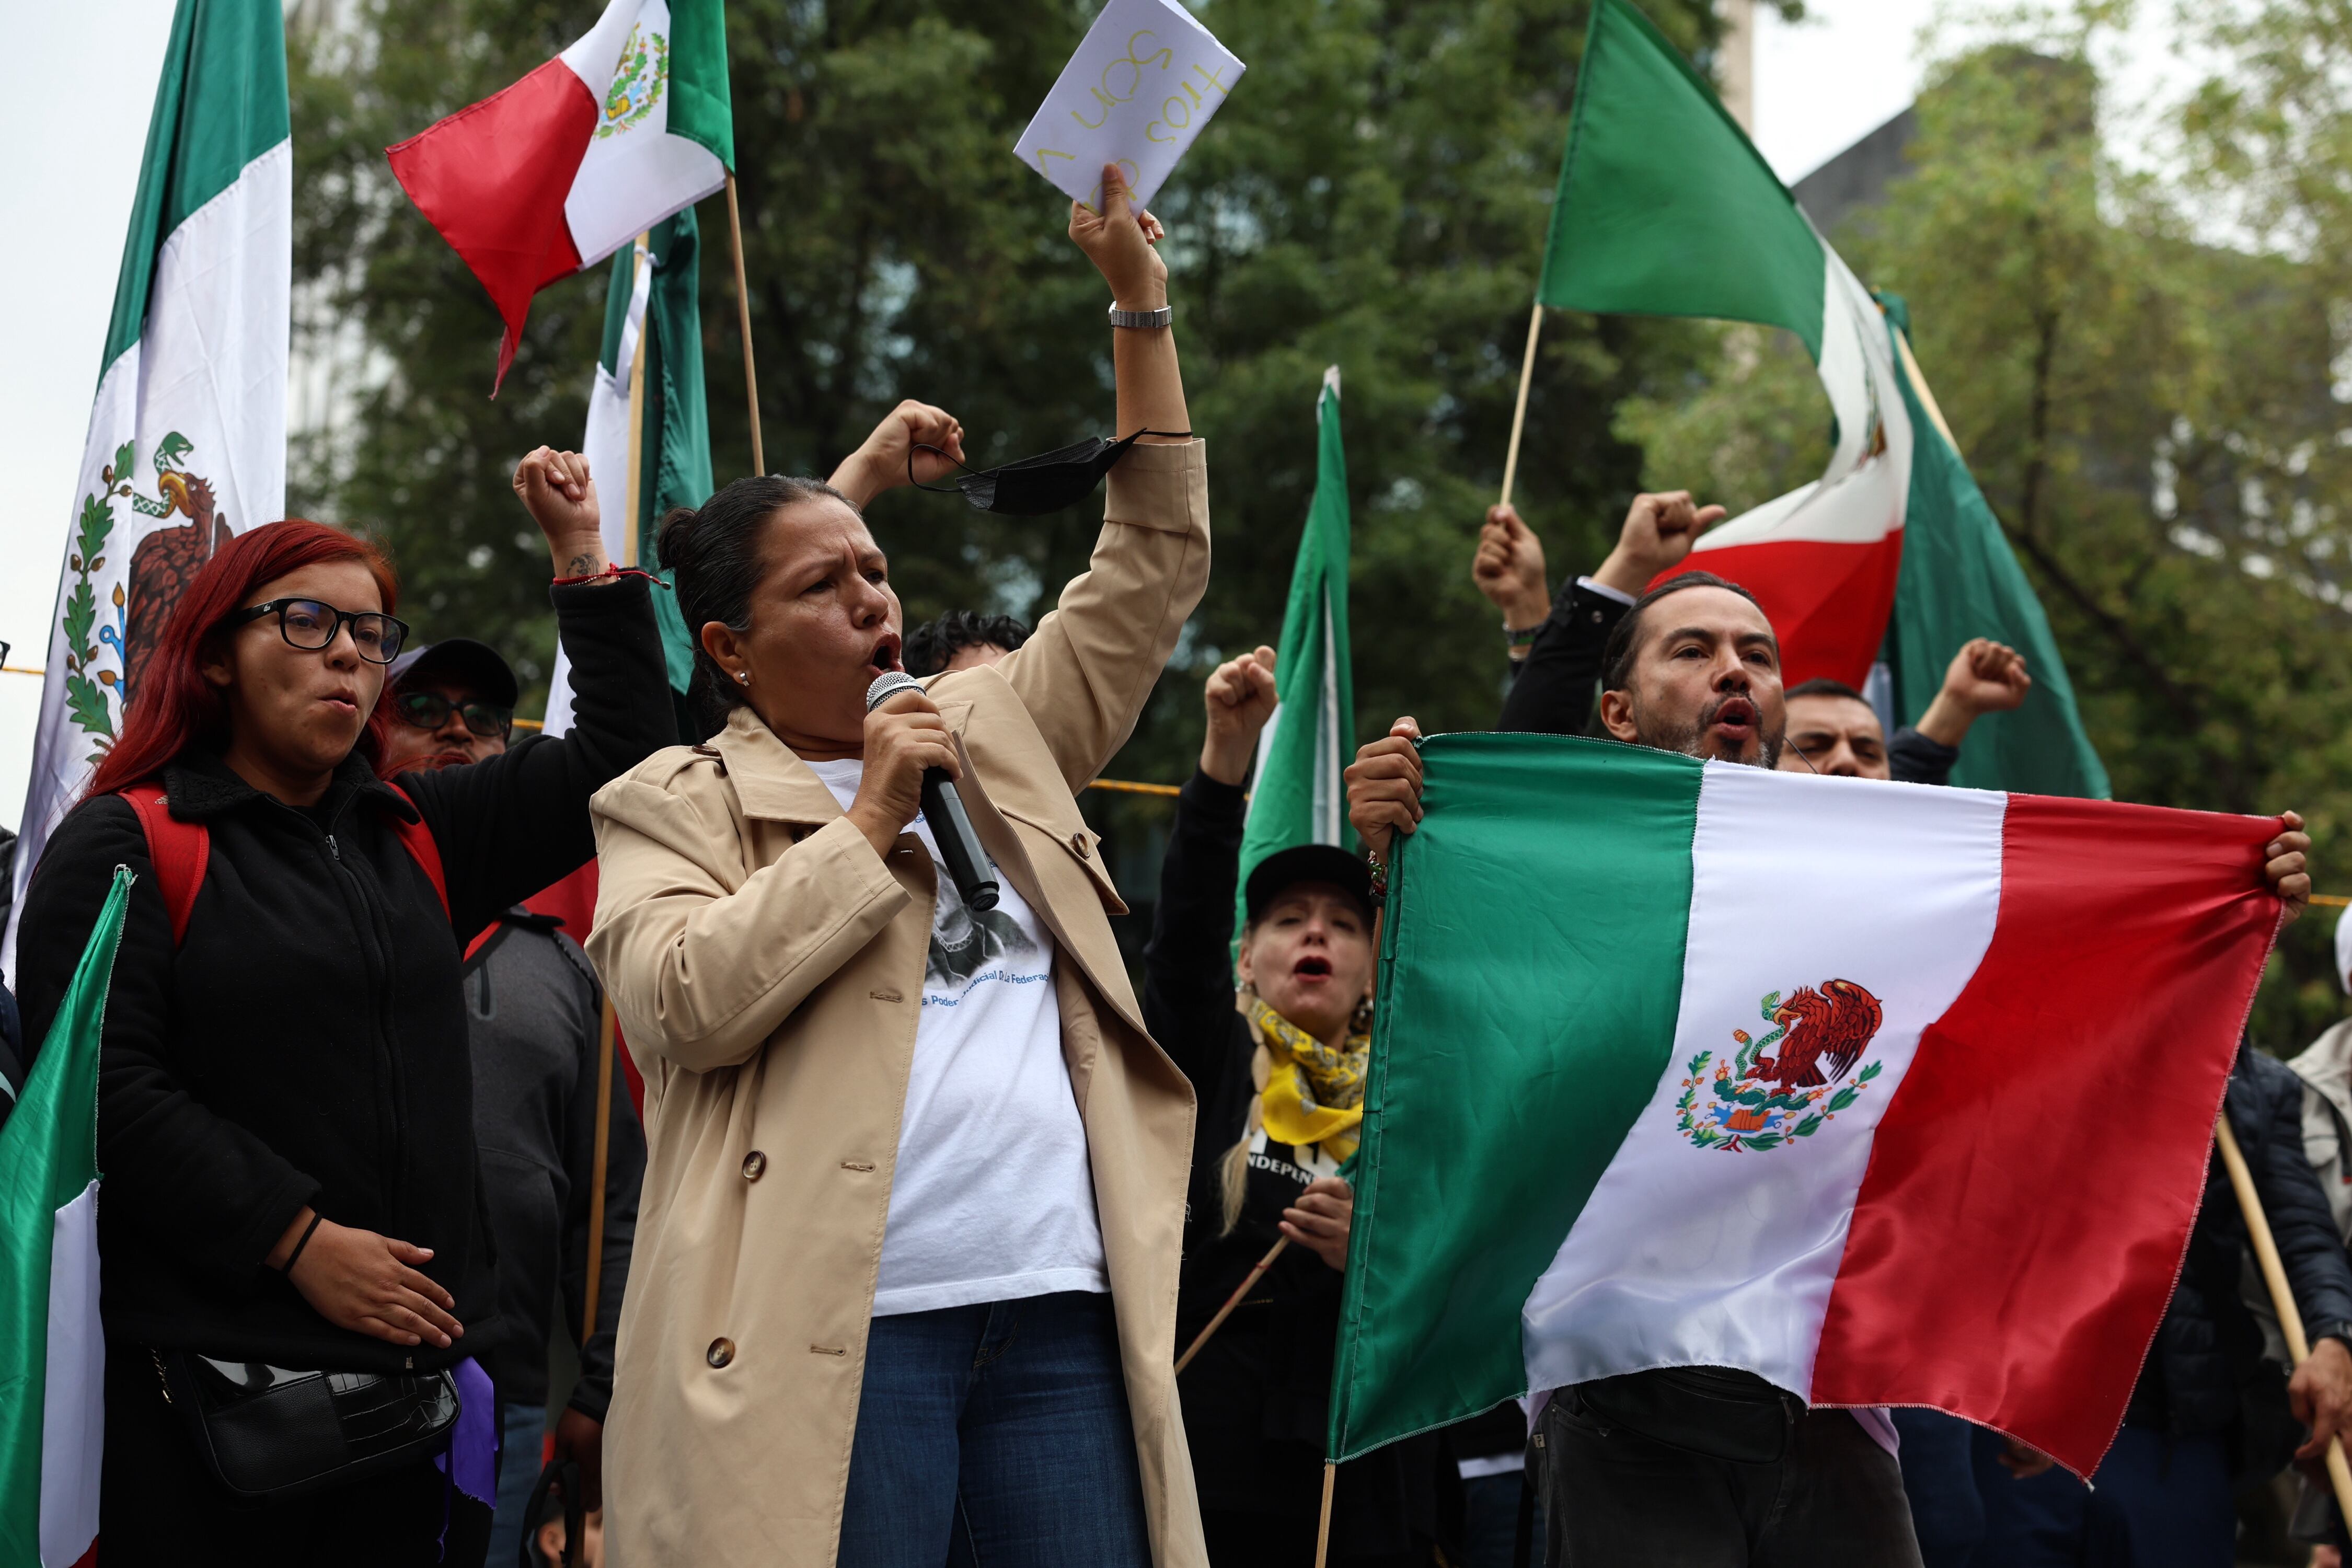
532,1011
1278,1070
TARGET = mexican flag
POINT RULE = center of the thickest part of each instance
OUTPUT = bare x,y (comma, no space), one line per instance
652,307
52,1353
630,125
1300,797
1665,208
1889,1095
188,436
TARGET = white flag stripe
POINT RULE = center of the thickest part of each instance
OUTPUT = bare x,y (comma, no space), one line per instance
1329,794
73,1409
1740,1275
1861,495
634,175
210,367
606,444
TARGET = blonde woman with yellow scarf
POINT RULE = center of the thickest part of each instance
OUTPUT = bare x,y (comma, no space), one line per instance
1275,1048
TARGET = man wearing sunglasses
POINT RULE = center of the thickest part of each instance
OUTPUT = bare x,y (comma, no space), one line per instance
452,702
532,1009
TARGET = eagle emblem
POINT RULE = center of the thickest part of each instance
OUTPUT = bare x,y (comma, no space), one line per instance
160,566
1788,1083
637,82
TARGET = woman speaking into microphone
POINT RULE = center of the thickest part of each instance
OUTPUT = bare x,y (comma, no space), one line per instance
905,1271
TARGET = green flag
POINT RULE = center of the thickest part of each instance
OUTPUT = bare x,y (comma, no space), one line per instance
52,1354
654,310
1300,797
1665,207
1960,580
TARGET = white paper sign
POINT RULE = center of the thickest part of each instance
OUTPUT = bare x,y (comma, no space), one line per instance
1143,83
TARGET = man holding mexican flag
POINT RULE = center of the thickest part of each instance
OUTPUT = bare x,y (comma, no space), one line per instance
1909,1182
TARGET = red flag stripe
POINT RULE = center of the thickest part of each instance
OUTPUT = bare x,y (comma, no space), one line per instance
493,177
1828,603
2027,1206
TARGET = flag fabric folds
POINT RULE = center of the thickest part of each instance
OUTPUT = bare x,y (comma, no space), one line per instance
1665,208
1960,580
1300,797
630,125
187,433
52,1353
654,310
1684,1064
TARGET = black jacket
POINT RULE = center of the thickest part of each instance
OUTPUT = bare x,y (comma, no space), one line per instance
2204,1363
1255,1398
1554,689
308,1044
533,1005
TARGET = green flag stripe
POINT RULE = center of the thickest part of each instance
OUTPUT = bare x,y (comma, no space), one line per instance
1959,579
1657,176
1313,670
700,107
48,1154
676,450
1481,1141
220,103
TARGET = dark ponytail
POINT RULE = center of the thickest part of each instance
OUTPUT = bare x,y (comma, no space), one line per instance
716,553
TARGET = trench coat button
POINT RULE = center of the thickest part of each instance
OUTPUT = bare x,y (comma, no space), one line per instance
755,1164
1079,843
720,1352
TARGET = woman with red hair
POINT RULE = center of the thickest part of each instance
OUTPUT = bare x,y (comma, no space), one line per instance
285,1115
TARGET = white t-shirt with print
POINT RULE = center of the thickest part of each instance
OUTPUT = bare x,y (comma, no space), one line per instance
992,1199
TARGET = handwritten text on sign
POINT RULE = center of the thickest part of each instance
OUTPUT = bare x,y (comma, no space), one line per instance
1143,83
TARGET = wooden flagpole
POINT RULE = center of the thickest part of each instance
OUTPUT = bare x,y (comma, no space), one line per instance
743,319
606,1028
2266,1253
1519,413
1232,1301
1323,1521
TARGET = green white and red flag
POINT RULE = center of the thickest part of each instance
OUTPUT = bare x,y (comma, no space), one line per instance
1300,797
187,434
52,1353
1834,1080
1665,208
629,125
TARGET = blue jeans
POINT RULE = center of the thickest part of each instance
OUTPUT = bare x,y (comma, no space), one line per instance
1939,1478
2154,1502
522,1437
996,1436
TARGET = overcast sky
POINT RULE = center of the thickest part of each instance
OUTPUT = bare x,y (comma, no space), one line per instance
1819,85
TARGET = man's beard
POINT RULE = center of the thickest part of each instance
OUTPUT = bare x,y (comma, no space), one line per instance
1686,738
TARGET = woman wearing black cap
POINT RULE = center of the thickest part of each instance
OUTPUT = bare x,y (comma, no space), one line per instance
1277,1065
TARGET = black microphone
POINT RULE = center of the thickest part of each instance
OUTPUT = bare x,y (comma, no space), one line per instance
968,863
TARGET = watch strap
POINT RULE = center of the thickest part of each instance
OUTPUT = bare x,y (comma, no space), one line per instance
1142,320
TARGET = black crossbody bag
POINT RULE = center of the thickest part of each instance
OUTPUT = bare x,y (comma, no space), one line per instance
270,1433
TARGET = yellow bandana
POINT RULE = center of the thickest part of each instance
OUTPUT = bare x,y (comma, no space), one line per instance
1314,1094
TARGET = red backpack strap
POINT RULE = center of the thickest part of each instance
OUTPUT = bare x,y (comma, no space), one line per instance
179,851
417,839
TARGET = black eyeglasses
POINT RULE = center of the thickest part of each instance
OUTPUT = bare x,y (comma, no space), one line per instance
310,626
430,710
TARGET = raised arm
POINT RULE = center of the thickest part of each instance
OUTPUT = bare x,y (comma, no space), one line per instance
1187,967
1088,669
510,826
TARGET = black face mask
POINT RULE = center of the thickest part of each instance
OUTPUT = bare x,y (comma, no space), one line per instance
1035,486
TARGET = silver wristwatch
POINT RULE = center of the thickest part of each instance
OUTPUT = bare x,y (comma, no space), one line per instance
1145,320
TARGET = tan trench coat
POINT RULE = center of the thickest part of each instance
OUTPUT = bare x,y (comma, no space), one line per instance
767,968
